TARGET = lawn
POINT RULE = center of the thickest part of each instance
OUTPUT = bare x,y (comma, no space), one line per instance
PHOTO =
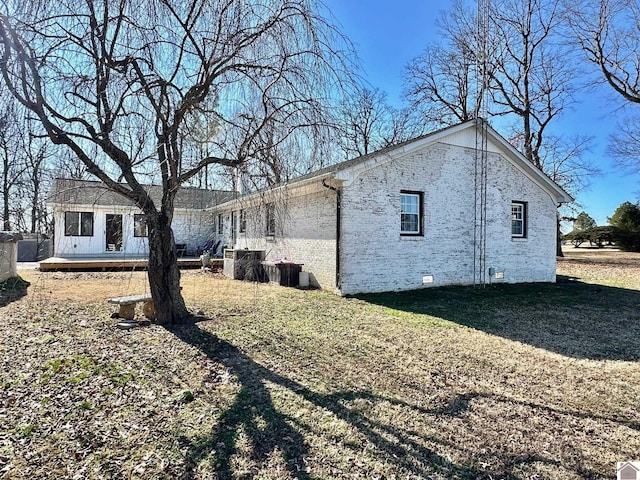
528,381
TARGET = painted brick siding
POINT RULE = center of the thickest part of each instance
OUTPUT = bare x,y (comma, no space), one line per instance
376,258
193,228
305,230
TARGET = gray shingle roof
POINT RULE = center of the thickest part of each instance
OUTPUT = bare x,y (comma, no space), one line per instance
86,192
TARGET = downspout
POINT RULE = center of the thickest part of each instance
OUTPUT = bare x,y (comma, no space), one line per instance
338,225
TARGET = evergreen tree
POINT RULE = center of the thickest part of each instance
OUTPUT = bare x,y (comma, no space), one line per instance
583,222
627,219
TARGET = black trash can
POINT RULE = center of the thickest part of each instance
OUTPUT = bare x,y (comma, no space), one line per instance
286,274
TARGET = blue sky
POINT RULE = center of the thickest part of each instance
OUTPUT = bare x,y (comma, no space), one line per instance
387,35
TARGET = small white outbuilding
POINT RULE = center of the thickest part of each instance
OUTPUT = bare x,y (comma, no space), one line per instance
91,221
9,255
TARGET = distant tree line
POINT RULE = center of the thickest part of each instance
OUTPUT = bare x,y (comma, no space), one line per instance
623,229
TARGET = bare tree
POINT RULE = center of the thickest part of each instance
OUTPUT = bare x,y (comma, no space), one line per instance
445,82
120,83
366,120
624,143
533,77
37,153
282,152
562,158
516,59
442,82
23,168
518,56
608,31
406,123
12,162
518,52
368,123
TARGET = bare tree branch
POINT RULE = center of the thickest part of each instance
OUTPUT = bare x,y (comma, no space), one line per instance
127,86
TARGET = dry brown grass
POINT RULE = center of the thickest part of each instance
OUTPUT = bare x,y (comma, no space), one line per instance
531,381
607,266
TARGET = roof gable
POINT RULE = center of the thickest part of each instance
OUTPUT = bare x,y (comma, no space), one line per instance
454,136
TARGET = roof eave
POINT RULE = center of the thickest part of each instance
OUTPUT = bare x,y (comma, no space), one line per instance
271,191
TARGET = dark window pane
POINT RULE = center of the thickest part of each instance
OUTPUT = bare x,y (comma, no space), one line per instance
71,223
139,225
86,225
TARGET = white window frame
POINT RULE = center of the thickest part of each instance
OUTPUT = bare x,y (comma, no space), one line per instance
518,217
420,213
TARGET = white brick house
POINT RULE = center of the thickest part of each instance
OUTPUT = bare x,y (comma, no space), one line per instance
409,216
91,221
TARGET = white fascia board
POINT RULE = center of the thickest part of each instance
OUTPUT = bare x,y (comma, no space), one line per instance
83,206
351,173
258,197
88,207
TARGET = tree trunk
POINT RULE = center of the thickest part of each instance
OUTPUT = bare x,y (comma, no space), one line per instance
34,203
559,240
6,224
164,274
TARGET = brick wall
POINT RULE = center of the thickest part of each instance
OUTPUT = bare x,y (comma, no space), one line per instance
192,228
376,258
305,229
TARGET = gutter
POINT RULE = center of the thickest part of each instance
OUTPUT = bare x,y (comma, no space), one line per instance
338,228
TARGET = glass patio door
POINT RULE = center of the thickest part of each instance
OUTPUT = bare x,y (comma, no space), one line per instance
113,233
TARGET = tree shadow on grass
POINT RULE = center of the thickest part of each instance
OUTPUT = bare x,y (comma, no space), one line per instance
569,317
12,289
268,430
254,414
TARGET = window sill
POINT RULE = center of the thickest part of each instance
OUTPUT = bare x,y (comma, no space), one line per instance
411,238
519,239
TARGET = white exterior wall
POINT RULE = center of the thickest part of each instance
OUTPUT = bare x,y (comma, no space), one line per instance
305,230
375,258
189,227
